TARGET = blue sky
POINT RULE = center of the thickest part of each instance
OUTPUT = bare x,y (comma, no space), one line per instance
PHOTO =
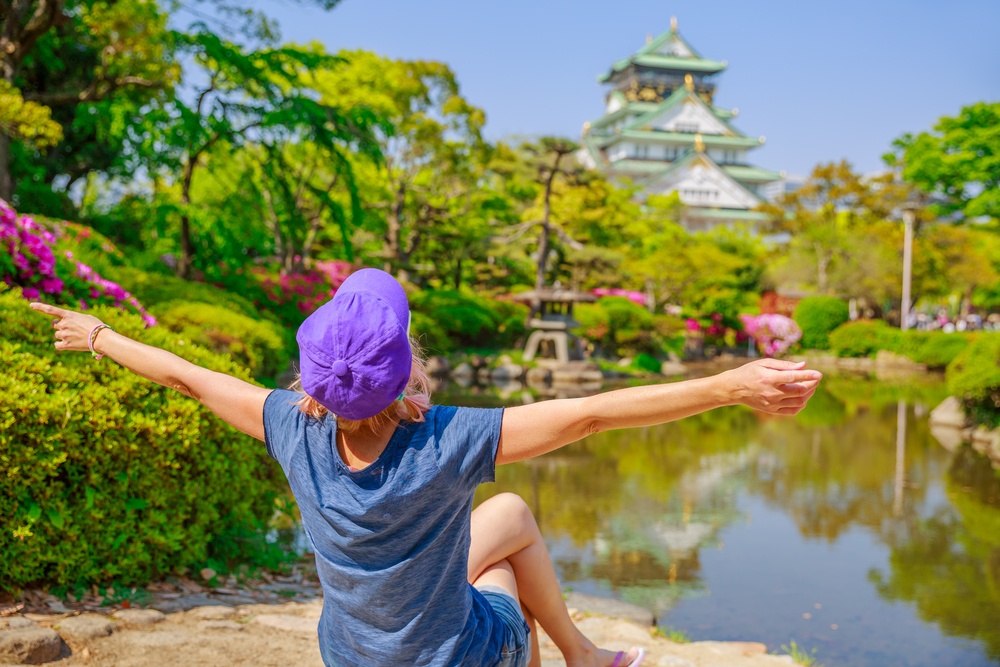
821,80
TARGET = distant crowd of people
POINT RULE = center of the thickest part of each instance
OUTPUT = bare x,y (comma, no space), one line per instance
941,321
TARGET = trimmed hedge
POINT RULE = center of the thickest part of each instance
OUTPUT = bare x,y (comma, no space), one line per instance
160,289
864,338
108,477
817,316
259,345
974,378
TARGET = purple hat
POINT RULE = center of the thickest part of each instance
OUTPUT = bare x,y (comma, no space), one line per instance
354,351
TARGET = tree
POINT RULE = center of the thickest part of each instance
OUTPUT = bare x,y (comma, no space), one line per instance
427,197
958,163
257,98
61,54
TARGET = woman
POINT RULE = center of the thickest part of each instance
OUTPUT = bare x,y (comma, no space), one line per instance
410,574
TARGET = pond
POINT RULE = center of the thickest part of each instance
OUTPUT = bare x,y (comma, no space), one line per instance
848,528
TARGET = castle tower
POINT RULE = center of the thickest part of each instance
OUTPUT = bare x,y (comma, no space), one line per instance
661,129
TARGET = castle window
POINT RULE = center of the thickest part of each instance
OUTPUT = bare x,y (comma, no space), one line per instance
689,128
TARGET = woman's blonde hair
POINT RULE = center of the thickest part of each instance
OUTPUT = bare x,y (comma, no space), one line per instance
416,400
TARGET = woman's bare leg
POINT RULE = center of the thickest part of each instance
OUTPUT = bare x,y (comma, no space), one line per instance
503,528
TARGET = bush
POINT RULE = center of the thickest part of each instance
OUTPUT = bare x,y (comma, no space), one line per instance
109,477
620,327
817,316
452,319
974,378
862,338
258,345
936,349
157,290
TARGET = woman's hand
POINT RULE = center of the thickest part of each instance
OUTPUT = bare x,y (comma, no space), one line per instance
72,329
773,385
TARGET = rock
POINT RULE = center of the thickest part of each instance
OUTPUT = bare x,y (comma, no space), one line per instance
948,413
207,573
537,376
437,366
139,617
186,602
885,358
591,604
288,623
85,627
29,645
672,367
463,370
673,661
506,372
211,613
220,625
16,622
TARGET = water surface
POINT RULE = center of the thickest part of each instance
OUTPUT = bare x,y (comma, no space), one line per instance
848,529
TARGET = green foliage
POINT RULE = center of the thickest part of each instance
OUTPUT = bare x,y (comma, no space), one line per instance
862,338
673,634
451,319
958,162
108,477
648,363
24,121
800,656
620,327
258,345
817,316
161,289
974,378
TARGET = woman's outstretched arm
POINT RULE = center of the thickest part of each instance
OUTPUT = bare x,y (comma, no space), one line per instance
769,385
239,403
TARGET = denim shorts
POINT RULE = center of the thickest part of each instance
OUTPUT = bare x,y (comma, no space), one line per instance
517,645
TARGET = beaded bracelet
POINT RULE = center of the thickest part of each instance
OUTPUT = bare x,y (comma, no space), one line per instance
93,337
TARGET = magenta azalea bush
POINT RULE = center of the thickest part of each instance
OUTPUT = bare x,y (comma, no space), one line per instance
772,333
29,260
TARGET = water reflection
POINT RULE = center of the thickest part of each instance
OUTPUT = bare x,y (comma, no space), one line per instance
687,519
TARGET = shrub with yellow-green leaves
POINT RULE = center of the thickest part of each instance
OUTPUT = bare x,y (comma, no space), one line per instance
105,476
258,345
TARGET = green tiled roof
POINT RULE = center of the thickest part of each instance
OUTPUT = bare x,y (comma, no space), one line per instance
676,98
714,140
689,156
751,174
648,57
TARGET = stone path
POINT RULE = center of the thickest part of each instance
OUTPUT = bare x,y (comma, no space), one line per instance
274,624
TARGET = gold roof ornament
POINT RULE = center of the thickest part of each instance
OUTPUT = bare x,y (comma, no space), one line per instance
699,143
673,23
689,81
649,38
586,128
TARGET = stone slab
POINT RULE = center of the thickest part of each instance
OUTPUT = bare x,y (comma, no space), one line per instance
139,617
84,627
29,646
211,613
288,623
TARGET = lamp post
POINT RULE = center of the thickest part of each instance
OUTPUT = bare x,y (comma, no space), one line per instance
909,214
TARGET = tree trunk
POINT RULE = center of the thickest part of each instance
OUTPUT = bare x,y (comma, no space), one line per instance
6,178
822,266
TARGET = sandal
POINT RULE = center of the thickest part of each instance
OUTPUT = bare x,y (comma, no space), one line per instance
640,656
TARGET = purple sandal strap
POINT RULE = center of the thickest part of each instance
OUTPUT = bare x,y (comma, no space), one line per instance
618,659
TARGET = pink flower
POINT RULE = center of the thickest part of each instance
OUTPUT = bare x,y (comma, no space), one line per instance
29,293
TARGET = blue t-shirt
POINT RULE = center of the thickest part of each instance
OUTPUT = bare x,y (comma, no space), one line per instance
392,540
